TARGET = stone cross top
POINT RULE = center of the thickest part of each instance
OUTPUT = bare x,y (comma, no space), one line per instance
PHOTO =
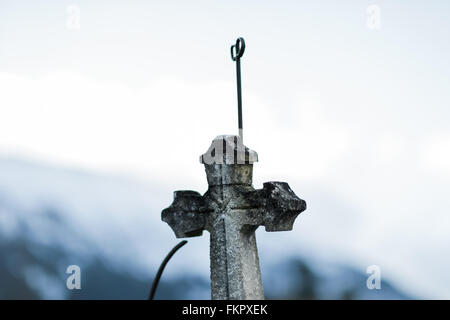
231,210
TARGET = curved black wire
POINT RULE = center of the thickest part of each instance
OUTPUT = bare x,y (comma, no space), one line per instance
161,269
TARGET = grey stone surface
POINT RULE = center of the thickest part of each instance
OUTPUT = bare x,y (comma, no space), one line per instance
183,214
228,149
231,210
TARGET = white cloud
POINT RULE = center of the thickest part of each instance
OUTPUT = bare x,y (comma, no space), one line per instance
161,128
435,154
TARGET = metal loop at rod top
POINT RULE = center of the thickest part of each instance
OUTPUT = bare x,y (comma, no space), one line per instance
237,50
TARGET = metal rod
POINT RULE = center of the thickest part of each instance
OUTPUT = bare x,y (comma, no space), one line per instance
237,50
161,269
239,97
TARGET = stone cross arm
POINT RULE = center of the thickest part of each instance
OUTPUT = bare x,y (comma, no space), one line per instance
184,216
275,206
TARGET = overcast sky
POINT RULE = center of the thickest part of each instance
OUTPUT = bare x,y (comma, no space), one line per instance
347,101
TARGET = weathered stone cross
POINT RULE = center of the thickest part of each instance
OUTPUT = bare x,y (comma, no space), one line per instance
231,210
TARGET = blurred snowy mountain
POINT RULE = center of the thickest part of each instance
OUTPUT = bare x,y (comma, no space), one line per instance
109,225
